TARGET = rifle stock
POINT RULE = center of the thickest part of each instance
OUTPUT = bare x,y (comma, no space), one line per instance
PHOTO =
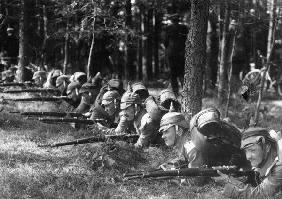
127,138
190,172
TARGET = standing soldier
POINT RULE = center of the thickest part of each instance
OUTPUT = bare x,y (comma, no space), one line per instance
10,48
265,155
175,50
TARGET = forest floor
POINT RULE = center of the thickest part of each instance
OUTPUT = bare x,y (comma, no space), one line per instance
94,171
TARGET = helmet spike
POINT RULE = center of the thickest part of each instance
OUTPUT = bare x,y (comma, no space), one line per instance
171,108
108,88
129,87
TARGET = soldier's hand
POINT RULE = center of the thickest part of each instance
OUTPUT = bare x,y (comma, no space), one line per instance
167,166
276,135
222,177
88,114
122,125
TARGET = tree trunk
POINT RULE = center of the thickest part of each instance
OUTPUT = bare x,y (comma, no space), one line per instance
223,77
139,50
212,52
23,38
149,52
271,30
156,24
128,20
91,51
45,35
270,46
195,53
144,47
66,49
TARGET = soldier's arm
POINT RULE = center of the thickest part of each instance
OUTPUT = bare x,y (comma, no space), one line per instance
120,129
148,131
267,189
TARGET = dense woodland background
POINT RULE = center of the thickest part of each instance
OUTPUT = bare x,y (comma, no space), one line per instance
126,38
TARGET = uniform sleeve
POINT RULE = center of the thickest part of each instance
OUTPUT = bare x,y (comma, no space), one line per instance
148,131
83,106
267,189
193,156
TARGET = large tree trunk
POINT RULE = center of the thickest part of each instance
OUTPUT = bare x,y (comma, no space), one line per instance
223,77
195,58
23,38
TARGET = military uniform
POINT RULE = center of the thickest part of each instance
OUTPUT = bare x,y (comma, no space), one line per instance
212,142
210,136
62,84
51,78
39,77
7,76
124,126
101,116
73,93
270,169
167,97
140,89
149,124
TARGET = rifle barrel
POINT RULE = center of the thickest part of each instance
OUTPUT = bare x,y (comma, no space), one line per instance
92,140
66,120
54,114
38,90
189,172
46,99
15,84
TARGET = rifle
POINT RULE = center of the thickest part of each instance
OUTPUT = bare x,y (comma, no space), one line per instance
191,172
15,84
31,90
66,120
53,114
44,99
123,137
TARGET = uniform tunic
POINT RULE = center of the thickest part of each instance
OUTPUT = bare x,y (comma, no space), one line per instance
271,181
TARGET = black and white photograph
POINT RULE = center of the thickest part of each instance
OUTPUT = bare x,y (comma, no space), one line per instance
140,99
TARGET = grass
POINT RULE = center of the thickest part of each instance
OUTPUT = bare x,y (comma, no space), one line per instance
90,171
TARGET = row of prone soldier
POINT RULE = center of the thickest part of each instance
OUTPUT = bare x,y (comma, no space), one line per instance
252,157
